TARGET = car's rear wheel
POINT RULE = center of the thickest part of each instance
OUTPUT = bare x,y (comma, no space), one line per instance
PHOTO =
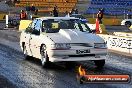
44,56
128,23
26,56
99,63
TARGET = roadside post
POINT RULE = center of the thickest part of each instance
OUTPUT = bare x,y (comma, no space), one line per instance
6,21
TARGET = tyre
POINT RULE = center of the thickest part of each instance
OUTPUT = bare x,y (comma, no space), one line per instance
44,56
99,63
25,52
128,23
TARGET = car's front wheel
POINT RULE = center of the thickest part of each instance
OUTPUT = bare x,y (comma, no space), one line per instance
99,63
128,23
44,56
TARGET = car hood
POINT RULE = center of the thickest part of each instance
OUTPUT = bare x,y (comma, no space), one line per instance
127,20
74,36
84,20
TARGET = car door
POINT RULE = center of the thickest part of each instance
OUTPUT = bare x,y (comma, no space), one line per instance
27,37
35,39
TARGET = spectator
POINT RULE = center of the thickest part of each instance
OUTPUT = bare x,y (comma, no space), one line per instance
23,15
28,10
76,11
100,16
128,16
66,1
27,7
55,12
72,11
32,8
36,12
67,14
15,1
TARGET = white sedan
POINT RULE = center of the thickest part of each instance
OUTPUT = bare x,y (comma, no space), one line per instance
62,39
126,22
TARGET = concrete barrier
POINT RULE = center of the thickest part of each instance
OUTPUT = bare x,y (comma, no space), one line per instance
128,34
118,43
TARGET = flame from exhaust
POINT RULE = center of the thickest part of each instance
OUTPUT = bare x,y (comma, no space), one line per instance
82,71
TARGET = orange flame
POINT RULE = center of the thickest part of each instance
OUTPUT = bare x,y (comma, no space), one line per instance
82,71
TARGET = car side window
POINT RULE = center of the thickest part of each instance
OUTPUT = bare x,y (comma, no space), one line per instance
37,27
46,25
76,26
50,26
30,28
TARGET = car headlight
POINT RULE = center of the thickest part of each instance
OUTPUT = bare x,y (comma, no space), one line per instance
100,45
61,46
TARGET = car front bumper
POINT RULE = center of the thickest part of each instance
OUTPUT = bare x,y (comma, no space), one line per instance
85,58
71,55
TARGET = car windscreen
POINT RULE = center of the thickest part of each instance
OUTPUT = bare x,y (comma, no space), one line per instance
82,26
53,26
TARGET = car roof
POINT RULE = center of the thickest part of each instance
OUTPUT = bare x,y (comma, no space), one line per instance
75,14
56,18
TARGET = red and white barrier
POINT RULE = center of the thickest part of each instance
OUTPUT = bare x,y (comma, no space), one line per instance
118,43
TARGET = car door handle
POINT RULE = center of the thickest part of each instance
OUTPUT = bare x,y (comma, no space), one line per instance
30,38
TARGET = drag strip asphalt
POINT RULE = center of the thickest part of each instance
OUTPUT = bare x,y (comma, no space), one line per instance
29,73
20,73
